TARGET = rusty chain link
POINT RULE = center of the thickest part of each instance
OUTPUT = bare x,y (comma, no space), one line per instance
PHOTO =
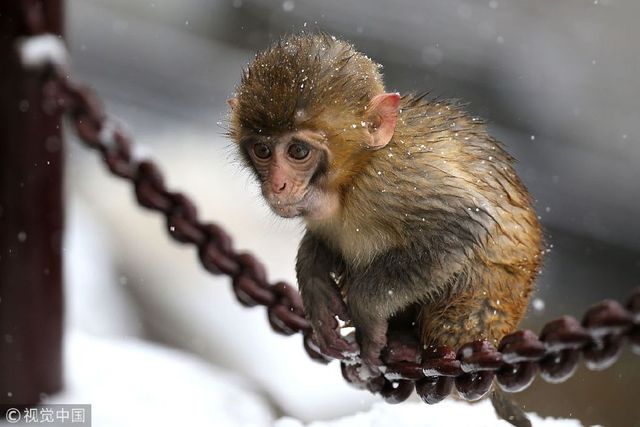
433,372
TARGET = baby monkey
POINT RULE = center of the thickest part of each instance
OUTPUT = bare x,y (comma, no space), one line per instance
409,202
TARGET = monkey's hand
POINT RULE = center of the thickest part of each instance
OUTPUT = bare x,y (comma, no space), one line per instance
322,316
321,297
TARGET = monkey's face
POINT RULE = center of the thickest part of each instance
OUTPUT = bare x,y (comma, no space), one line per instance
292,171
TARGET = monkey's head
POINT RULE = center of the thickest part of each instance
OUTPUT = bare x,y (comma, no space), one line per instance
306,115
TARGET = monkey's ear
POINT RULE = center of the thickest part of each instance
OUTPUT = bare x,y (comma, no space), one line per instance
233,103
382,114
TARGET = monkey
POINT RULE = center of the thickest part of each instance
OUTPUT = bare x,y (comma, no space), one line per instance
408,202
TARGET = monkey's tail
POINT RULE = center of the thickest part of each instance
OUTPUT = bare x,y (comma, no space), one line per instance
507,409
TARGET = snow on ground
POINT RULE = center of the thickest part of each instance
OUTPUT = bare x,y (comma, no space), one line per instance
132,383
449,413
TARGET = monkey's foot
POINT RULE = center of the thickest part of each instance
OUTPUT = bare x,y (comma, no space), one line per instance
371,334
370,351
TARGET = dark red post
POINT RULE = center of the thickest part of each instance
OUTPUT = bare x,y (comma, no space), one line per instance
31,215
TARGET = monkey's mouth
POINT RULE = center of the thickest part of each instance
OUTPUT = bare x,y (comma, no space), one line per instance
290,209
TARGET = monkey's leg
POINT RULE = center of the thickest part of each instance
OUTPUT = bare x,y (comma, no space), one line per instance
371,333
321,297
486,303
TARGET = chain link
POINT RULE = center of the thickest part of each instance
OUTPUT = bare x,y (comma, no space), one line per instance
433,372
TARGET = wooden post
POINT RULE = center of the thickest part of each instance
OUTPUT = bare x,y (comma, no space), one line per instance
31,219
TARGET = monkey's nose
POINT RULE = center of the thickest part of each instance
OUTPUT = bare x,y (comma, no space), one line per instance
279,188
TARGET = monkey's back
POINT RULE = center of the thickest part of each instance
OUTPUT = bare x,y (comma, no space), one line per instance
447,192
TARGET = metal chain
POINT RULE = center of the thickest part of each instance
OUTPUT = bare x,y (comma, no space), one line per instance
432,372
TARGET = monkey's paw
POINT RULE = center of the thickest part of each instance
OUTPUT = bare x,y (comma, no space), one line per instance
370,351
324,305
371,334
326,334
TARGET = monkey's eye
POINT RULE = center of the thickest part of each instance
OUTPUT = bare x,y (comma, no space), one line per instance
262,151
298,151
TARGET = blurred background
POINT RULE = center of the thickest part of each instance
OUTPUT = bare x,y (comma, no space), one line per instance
557,81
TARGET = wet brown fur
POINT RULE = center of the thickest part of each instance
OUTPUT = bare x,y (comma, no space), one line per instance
441,201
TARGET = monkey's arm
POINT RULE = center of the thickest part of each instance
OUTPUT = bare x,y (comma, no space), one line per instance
321,297
391,282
